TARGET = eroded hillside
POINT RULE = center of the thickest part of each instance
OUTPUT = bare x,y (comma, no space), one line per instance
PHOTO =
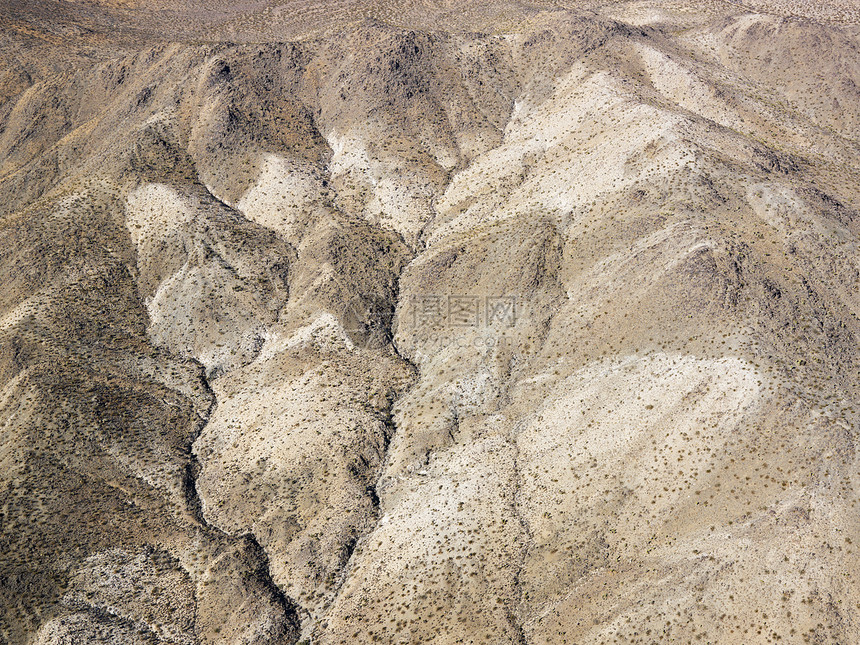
515,324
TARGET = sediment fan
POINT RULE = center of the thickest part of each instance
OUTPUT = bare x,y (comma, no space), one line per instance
488,322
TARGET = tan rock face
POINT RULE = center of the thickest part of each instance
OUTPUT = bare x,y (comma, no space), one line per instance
423,322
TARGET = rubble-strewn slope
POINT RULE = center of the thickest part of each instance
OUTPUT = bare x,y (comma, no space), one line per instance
539,326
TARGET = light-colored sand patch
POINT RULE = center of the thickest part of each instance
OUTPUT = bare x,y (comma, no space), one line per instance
283,192
682,85
325,333
630,412
541,165
156,212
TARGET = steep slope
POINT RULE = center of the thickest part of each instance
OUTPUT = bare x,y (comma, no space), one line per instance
540,327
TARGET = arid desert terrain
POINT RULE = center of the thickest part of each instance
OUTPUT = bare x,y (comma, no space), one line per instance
518,322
